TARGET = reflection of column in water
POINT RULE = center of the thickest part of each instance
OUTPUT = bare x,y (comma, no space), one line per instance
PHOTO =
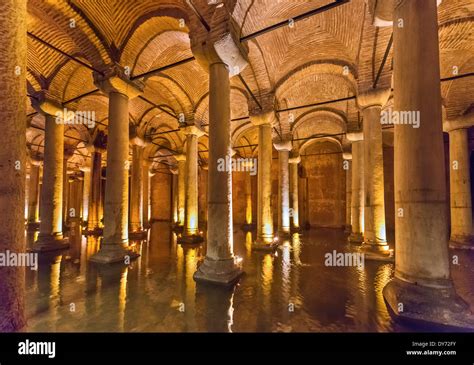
382,277
190,288
123,299
248,243
214,308
265,270
55,294
295,290
286,279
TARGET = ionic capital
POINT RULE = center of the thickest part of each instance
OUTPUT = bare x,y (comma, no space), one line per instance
283,146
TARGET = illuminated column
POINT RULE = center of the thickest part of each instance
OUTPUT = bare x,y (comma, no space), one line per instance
93,222
13,49
460,193
375,237
357,187
114,246
51,220
248,202
86,190
174,177
146,193
265,239
181,187
136,189
347,157
422,288
283,149
191,230
219,266
294,177
33,193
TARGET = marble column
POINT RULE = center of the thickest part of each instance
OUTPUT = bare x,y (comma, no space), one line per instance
191,218
13,50
86,190
220,265
375,238
33,193
181,159
248,203
460,190
114,246
294,182
347,157
146,193
265,239
93,222
50,236
136,188
174,191
357,188
422,289
283,148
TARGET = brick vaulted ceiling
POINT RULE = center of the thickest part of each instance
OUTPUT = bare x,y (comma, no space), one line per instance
328,56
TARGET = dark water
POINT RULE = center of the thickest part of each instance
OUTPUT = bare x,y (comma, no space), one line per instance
289,291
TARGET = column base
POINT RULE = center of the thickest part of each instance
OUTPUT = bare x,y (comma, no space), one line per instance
462,242
138,235
347,228
355,238
219,272
376,252
94,232
439,307
261,245
32,226
110,255
193,239
47,243
248,227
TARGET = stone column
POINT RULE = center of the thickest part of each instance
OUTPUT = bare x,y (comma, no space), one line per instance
86,190
347,157
191,218
265,239
283,148
294,181
33,193
136,188
13,51
174,191
93,222
375,237
51,220
114,246
422,289
248,203
181,159
146,193
460,193
357,188
219,266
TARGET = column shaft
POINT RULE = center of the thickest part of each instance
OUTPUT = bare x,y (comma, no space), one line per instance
460,185
181,191
191,210
136,191
283,194
86,190
294,195
93,222
33,193
264,211
357,196
146,194
349,173
248,199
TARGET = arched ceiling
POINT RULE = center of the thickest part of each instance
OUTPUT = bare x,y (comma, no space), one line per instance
327,56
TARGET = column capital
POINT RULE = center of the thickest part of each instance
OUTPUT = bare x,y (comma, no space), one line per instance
355,136
44,104
68,152
296,159
34,159
221,44
205,166
180,157
264,111
174,170
283,146
373,98
85,168
138,141
116,80
347,155
463,122
192,130
382,11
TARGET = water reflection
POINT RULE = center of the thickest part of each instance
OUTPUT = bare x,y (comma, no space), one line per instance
290,290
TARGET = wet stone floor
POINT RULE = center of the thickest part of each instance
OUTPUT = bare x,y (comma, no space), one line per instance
289,291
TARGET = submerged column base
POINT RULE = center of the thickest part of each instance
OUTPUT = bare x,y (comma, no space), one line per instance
221,272
377,252
49,242
114,254
427,305
263,245
462,242
355,238
193,239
